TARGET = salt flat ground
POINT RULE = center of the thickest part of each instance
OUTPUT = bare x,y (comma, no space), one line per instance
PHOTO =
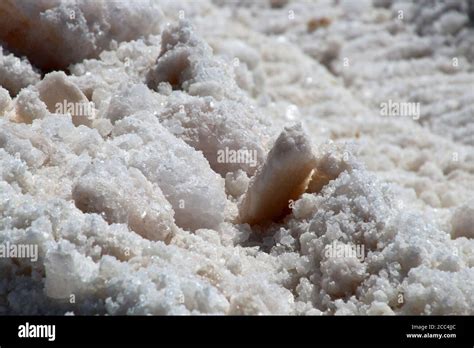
202,117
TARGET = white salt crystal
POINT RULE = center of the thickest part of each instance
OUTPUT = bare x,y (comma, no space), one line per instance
61,95
283,177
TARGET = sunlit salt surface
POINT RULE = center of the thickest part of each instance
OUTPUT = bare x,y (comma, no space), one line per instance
236,157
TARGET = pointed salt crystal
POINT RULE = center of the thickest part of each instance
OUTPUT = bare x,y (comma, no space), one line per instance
62,96
283,177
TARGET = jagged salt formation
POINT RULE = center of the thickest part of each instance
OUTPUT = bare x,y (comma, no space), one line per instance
182,173
16,73
186,62
73,29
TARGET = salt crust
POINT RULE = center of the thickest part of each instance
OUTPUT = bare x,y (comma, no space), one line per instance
90,196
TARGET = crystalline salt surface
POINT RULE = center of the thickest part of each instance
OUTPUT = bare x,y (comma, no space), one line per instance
73,30
183,174
125,196
131,212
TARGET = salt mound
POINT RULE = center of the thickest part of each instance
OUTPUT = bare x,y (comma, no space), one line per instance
183,174
186,62
54,34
